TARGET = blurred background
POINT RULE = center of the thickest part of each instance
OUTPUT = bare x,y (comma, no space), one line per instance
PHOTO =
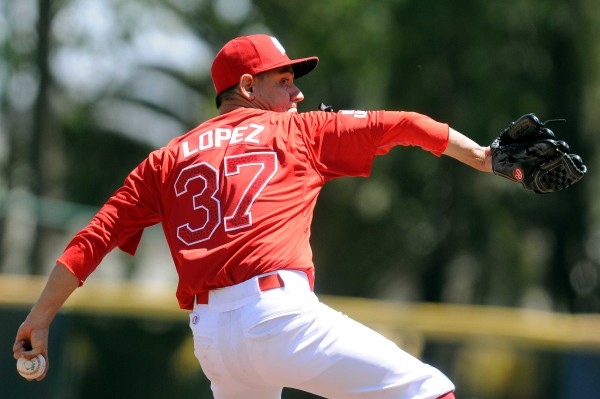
89,87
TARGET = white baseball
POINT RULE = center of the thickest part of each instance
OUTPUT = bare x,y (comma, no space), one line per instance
31,368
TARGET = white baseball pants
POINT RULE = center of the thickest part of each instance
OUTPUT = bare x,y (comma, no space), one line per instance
251,344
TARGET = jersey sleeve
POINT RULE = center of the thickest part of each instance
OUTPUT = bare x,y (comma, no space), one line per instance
345,143
119,223
413,129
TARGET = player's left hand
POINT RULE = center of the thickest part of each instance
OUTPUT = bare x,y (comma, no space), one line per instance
528,152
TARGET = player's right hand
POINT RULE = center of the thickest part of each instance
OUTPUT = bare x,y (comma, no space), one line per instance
31,341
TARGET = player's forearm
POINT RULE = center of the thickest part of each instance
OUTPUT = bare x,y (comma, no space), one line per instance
465,150
59,287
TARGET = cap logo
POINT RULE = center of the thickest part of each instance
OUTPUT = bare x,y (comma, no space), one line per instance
278,45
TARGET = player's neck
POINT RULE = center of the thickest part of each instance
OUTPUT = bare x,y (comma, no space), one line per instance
225,108
237,103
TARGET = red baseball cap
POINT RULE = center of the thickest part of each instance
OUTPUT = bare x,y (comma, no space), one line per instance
253,54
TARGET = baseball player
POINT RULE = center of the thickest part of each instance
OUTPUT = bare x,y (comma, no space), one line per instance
235,197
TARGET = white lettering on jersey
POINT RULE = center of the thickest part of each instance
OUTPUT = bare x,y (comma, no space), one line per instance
257,130
237,136
356,114
222,136
205,140
186,149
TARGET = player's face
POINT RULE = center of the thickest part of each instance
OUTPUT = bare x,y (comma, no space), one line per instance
275,90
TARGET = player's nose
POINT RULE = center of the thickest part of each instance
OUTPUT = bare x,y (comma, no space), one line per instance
296,95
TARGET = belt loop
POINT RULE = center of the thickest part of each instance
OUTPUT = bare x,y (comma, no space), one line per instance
201,299
270,282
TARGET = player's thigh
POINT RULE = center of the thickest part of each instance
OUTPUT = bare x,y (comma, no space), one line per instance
223,360
364,364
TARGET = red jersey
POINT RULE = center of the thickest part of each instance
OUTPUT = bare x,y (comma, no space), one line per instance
235,196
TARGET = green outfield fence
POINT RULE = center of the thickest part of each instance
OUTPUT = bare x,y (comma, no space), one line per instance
456,323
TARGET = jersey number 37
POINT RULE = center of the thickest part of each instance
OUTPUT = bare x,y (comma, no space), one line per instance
207,202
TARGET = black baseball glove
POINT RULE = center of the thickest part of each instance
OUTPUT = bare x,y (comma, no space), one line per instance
528,152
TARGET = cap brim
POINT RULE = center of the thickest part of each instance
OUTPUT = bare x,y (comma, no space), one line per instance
303,66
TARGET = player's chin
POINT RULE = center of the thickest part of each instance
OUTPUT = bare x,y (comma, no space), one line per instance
292,109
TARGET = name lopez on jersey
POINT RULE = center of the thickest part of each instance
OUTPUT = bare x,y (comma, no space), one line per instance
222,135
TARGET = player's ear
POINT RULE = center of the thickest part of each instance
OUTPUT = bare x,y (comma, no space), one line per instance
246,85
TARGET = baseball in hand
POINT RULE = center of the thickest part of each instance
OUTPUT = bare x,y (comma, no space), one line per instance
31,368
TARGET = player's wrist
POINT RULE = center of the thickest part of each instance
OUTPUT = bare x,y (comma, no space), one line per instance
38,320
41,315
487,159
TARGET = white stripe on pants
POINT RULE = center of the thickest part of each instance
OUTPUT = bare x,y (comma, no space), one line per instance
251,344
